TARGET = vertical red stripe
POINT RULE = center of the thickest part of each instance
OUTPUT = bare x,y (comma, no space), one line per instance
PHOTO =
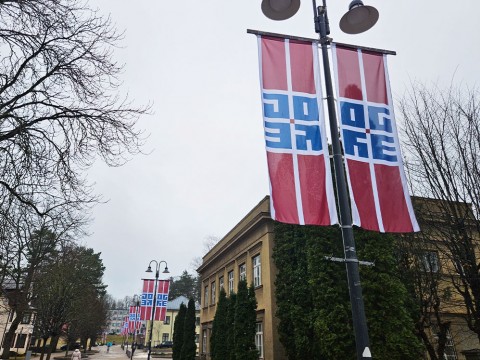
361,183
349,80
280,169
396,217
274,72
375,78
313,188
301,63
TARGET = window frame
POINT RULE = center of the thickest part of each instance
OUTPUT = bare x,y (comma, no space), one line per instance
205,296
242,272
221,283
213,290
231,282
430,261
259,339
257,270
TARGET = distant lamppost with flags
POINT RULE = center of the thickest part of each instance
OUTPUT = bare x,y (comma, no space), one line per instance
136,304
157,273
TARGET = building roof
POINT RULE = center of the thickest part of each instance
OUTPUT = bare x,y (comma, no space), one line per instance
174,304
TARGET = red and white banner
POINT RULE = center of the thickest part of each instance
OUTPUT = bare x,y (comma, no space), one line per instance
125,326
146,304
297,152
376,179
134,320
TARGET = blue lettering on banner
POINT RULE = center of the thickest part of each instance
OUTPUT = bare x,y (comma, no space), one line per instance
379,147
355,137
162,300
379,118
275,106
305,108
278,135
355,143
147,299
352,114
308,135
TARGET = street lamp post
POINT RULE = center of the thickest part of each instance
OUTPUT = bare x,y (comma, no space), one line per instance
359,18
136,303
157,271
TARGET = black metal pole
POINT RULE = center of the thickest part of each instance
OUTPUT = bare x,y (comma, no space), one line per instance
351,260
134,340
153,311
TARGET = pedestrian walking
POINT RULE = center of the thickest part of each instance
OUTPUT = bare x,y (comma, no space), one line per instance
77,355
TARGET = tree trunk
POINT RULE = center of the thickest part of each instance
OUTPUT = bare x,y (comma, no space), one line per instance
43,347
52,347
10,335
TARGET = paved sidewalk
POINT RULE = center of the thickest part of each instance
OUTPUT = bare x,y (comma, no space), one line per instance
116,353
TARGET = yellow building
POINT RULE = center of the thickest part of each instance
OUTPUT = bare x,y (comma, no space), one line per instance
246,251
24,333
163,330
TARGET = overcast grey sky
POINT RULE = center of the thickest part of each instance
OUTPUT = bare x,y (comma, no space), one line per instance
207,168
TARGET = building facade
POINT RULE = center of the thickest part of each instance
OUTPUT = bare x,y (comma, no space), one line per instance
24,333
116,320
246,252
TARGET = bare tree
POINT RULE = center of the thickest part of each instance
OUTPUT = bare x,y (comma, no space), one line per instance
442,132
429,292
59,103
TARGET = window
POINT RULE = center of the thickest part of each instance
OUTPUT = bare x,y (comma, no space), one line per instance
259,339
164,337
197,321
450,353
196,338
26,319
213,293
430,261
21,338
204,341
205,296
230,281
242,270
167,320
257,271
220,283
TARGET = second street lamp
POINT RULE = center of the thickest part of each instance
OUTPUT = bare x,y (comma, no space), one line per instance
358,19
157,273
136,303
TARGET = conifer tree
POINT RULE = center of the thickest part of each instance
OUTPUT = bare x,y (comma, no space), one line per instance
313,300
218,340
245,320
232,300
189,347
178,332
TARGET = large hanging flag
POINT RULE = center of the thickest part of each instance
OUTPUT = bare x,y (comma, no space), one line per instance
146,303
297,152
376,179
